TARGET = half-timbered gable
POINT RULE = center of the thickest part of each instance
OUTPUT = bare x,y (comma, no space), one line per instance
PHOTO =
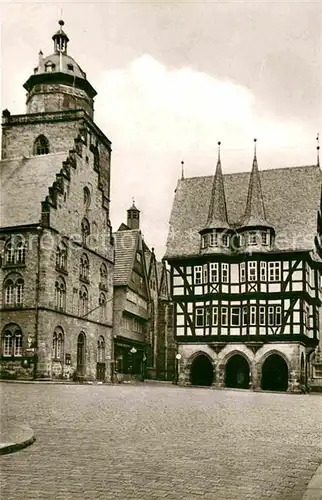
245,274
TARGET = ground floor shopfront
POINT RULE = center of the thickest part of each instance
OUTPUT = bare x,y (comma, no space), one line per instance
273,367
130,359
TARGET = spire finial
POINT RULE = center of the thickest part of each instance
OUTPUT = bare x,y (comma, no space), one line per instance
182,170
318,149
133,201
219,144
255,148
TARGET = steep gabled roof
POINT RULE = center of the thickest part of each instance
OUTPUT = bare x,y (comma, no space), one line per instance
126,244
291,197
24,185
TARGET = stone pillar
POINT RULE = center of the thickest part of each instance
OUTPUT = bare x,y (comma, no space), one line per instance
255,384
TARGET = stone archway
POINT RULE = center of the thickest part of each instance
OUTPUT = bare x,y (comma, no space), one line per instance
237,372
274,373
201,372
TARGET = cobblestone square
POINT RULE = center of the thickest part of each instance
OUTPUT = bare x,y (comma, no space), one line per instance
160,442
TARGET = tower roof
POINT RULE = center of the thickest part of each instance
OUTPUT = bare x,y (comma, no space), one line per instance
255,210
217,215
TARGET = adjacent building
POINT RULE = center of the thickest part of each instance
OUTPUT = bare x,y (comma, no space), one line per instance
57,247
245,256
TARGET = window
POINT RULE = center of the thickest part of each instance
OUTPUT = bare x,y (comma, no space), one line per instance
198,275
61,257
60,294
271,321
245,315
12,341
58,344
263,268
242,272
103,276
235,316
101,350
278,315
252,239
50,67
41,145
252,315
138,257
208,316
199,316
252,271
102,303
262,315
13,291
307,316
9,253
205,273
274,271
204,240
213,239
70,67
83,301
84,267
214,272
274,315
96,159
224,273
265,239
86,197
225,240
20,252
224,316
85,227
15,252
215,316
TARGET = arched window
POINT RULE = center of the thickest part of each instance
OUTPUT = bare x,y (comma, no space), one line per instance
96,159
83,301
86,197
12,341
60,294
13,291
84,267
102,303
58,344
9,253
20,252
41,145
101,350
103,277
85,230
61,257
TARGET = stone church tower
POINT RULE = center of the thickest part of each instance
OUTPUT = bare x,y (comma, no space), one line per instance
56,239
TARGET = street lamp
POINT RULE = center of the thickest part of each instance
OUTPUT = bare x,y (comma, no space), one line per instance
133,351
178,357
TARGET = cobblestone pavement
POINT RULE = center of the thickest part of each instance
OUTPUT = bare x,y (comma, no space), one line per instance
156,442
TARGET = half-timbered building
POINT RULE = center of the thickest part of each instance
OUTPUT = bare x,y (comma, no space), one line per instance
245,277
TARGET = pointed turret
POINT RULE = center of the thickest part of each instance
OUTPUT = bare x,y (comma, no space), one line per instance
217,215
216,233
256,231
255,210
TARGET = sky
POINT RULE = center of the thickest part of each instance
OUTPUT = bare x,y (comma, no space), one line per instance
173,79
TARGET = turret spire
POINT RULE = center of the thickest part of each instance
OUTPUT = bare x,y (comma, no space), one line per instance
60,40
217,215
255,210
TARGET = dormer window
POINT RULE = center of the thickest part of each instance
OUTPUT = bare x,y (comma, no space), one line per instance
213,239
204,241
70,67
225,240
252,239
49,67
265,239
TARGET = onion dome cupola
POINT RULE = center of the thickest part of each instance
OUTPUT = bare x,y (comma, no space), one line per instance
215,236
58,82
133,217
256,233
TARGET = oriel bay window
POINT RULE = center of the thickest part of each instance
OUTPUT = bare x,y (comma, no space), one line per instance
252,271
263,271
213,272
274,271
224,273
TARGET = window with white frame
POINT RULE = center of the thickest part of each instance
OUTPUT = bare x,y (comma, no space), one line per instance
274,315
12,341
208,316
13,291
265,238
252,271
274,271
262,315
213,270
235,316
215,316
252,239
263,271
224,316
252,315
278,315
204,240
242,271
199,316
60,294
225,240
307,316
271,316
58,344
245,315
224,273
198,275
213,239
205,273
